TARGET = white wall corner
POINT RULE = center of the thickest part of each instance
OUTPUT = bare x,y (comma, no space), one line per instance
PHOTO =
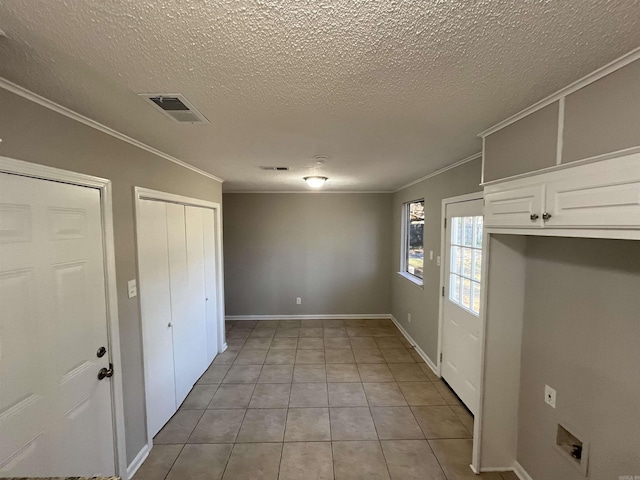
137,462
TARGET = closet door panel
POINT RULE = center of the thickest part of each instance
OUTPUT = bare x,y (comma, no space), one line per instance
155,302
211,305
196,302
182,328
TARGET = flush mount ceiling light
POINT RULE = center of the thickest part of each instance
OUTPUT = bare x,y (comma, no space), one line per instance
315,181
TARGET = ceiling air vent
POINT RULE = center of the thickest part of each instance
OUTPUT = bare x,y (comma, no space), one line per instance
275,169
176,107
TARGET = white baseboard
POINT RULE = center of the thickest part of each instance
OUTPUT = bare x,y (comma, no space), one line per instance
136,462
417,348
344,316
521,472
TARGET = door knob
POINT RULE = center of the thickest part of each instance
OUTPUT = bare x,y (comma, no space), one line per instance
105,372
534,216
546,216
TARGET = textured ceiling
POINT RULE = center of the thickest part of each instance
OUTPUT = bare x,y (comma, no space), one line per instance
389,91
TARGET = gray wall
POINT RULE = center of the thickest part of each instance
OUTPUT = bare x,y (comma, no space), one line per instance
332,250
36,134
406,297
581,331
524,146
603,116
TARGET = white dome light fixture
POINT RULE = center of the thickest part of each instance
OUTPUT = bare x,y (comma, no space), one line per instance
315,181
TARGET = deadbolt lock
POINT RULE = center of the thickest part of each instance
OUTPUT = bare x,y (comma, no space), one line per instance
105,372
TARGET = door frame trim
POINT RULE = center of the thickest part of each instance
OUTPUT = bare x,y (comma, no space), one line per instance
42,172
140,194
443,248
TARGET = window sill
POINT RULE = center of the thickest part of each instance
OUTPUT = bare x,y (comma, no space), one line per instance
413,279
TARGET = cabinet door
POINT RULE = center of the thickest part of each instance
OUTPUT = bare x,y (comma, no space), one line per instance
211,305
155,303
515,207
196,291
597,196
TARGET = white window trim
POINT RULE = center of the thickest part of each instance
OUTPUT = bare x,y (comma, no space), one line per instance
403,246
417,281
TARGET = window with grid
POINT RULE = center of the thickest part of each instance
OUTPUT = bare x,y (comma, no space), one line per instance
466,262
413,261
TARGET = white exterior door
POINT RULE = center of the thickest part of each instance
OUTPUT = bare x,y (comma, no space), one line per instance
56,417
460,365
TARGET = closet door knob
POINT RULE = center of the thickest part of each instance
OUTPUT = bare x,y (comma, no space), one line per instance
170,324
546,216
534,217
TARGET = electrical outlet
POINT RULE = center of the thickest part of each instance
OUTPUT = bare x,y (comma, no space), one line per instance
298,301
438,260
550,396
409,317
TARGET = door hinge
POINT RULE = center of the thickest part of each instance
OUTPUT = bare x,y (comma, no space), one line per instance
443,291
440,357
445,222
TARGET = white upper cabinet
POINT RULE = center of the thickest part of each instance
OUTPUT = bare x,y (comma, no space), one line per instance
598,195
516,207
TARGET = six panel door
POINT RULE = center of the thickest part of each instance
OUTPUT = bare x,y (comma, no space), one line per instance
56,417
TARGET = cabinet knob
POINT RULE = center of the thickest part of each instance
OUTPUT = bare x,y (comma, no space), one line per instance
534,216
170,324
546,216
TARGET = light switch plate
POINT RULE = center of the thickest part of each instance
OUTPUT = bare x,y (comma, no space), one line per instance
438,260
132,288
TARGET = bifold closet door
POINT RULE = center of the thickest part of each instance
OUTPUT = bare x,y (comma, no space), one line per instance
197,295
183,330
211,305
155,302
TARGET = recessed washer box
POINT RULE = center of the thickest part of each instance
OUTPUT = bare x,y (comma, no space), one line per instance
573,448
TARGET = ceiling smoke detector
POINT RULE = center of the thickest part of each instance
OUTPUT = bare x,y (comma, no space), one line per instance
176,107
275,169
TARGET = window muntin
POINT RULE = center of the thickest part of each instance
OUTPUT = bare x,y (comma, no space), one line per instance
414,238
466,262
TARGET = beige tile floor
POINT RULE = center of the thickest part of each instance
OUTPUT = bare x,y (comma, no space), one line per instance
316,399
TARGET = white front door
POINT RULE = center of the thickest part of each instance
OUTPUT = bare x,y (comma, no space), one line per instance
460,365
56,416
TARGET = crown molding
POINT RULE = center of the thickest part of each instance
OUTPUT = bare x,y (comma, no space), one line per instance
45,102
611,67
442,170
